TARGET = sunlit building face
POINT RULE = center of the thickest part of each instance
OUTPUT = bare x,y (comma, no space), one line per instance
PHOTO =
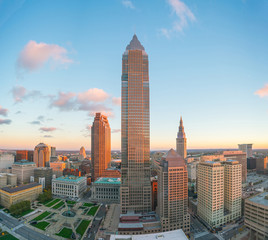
135,116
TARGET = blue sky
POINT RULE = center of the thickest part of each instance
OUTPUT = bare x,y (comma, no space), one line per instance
60,62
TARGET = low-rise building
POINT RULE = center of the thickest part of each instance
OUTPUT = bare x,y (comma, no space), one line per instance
136,223
106,190
171,235
24,170
12,195
69,186
256,216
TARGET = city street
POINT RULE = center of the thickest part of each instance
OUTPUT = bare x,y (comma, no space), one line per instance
96,224
229,233
20,228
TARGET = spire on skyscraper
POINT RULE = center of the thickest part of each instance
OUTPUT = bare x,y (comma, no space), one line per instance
181,133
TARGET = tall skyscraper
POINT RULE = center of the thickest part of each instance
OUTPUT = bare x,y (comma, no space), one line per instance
100,145
135,130
219,192
173,193
247,148
181,141
42,153
241,157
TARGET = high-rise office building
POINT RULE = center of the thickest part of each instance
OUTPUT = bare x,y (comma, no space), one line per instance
42,153
181,141
82,152
135,130
173,193
241,157
100,145
219,192
247,148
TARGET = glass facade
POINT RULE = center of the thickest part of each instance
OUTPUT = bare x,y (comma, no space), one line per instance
135,125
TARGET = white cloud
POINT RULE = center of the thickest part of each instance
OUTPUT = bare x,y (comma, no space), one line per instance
35,55
263,92
183,15
93,94
116,101
128,4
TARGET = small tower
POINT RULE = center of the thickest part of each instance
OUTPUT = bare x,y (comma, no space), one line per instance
181,141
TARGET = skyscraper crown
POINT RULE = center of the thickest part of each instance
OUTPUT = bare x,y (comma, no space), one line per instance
181,133
134,44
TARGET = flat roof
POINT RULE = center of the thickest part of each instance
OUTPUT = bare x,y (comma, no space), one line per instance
20,188
69,178
23,162
108,180
171,235
260,199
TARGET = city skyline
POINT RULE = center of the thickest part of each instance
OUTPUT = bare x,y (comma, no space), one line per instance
207,68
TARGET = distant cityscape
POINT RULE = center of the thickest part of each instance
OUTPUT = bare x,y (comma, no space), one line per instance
134,193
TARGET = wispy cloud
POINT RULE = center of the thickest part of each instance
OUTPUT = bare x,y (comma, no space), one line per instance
116,130
5,121
128,4
183,16
34,55
93,100
47,129
93,94
263,92
3,111
35,122
20,94
116,101
48,136
64,101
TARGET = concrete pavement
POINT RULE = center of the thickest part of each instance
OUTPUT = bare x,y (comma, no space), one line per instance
20,229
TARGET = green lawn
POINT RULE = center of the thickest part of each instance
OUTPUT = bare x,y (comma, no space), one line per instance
41,225
88,204
47,201
41,216
52,202
71,202
82,227
58,205
92,211
65,232
7,236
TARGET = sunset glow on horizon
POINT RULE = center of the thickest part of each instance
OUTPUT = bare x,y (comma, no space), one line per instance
60,66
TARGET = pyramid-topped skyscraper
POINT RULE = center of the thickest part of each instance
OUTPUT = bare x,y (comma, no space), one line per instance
135,130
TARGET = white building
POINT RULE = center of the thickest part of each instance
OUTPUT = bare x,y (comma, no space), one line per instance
171,235
6,159
106,190
69,186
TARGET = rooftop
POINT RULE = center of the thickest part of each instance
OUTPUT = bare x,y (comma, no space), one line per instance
20,188
211,163
69,178
108,180
23,162
171,235
261,198
173,159
134,44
